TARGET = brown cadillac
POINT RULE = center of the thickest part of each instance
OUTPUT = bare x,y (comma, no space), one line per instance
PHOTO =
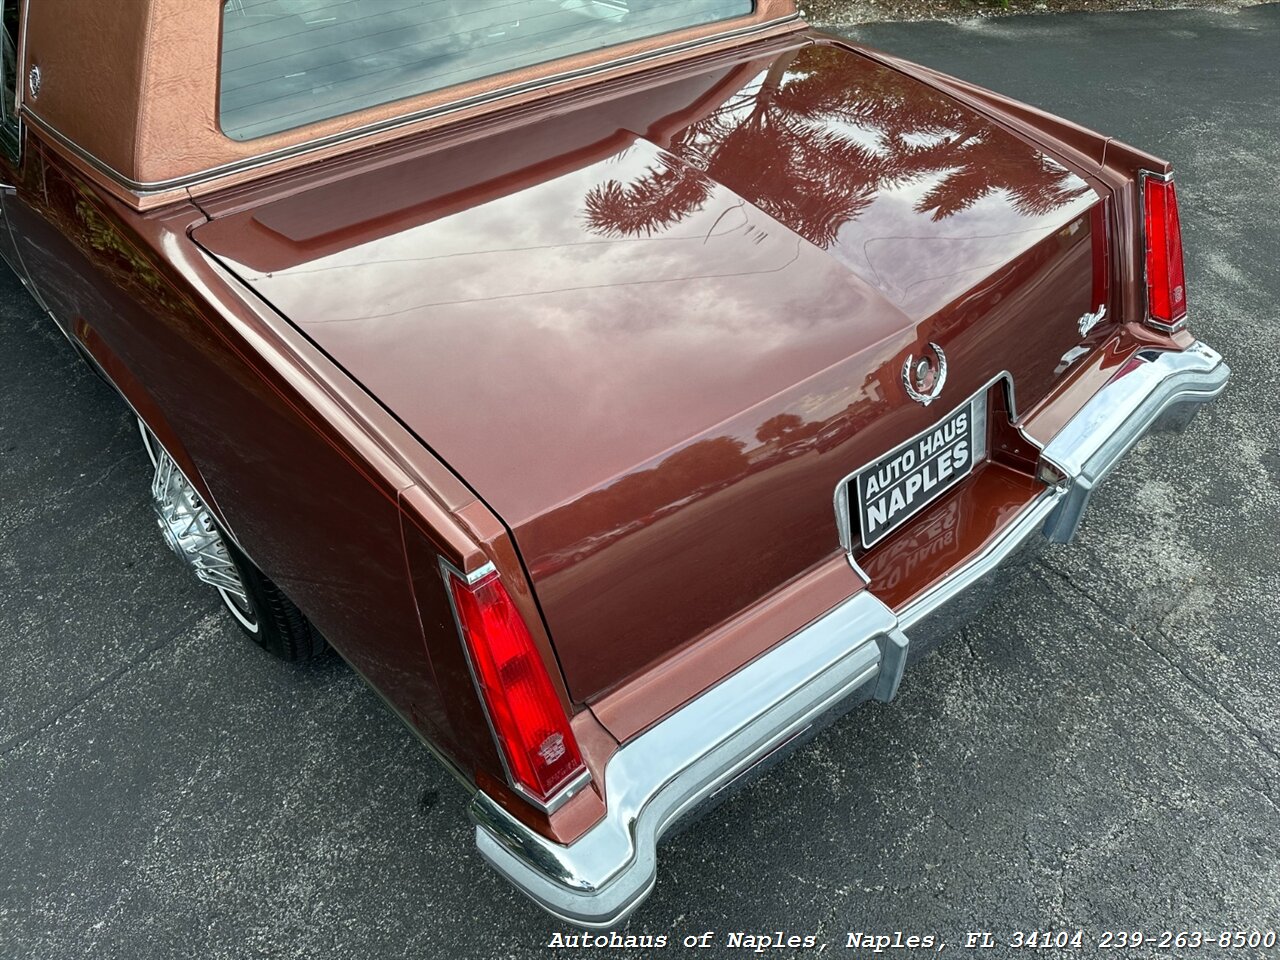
622,387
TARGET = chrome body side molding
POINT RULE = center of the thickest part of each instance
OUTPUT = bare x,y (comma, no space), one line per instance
855,652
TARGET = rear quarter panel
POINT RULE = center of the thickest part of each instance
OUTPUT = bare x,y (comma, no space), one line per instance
311,498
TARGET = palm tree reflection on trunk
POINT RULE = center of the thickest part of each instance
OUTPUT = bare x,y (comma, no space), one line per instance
814,139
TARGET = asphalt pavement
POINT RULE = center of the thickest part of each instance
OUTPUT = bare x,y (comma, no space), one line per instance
1099,752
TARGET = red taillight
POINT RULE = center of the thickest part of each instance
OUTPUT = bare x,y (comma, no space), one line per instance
532,730
1166,280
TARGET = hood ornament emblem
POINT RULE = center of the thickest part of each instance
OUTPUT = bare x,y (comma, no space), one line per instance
1091,320
924,380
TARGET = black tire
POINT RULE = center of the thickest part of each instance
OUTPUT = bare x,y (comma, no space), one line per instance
282,629
265,614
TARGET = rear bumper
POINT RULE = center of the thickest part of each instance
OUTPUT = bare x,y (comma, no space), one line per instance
855,652
1159,391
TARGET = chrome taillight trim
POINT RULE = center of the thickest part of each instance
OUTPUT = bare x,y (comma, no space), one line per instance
570,788
1148,319
567,792
665,772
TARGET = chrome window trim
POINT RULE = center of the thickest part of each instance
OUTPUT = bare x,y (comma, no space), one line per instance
143,188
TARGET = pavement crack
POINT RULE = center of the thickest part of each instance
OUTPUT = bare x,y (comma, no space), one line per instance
1258,736
42,724
85,482
942,818
1192,679
1265,794
1076,588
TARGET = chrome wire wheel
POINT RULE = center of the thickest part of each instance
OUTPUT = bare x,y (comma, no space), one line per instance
190,532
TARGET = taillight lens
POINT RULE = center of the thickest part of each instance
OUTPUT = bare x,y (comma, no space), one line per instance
530,725
1166,279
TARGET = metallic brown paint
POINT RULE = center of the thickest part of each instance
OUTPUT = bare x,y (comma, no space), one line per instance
309,490
674,343
672,682
336,457
948,533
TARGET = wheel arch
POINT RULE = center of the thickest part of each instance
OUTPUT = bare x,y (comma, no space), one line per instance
112,368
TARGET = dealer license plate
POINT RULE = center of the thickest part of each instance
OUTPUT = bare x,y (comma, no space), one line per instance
889,492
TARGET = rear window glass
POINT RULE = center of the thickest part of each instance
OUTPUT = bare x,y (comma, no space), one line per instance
286,63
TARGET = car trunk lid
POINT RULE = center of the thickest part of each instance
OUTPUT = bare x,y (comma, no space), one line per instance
654,332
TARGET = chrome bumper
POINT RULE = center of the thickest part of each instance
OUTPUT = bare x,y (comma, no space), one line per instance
1162,391
855,652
